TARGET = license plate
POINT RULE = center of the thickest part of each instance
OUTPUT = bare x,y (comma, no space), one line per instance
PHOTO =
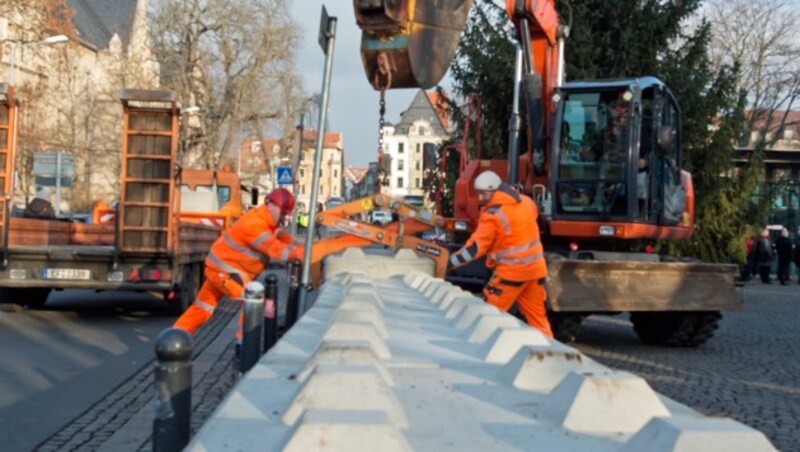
66,273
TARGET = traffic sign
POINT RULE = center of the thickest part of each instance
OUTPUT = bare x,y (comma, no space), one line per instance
284,175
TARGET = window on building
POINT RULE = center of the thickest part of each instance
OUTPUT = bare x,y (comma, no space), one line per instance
303,189
400,165
400,148
399,182
335,173
416,183
302,172
421,130
418,148
417,165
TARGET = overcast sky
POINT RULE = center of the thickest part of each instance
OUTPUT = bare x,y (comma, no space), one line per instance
353,104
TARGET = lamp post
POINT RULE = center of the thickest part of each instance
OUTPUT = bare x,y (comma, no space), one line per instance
50,40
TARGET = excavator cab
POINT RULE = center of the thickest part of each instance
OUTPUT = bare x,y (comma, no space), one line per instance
616,162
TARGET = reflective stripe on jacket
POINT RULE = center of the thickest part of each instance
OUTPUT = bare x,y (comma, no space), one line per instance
508,234
250,244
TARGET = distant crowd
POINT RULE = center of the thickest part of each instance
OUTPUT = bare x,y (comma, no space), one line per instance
762,251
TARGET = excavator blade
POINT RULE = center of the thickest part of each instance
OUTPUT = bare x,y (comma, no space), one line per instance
584,285
419,39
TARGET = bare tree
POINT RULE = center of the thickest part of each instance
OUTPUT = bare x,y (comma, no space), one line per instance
759,38
233,59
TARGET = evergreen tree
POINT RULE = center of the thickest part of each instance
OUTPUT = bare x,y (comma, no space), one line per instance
628,38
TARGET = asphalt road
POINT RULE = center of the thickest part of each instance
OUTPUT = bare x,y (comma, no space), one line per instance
59,361
749,371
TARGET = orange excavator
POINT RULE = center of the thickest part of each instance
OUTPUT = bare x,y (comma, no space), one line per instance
602,160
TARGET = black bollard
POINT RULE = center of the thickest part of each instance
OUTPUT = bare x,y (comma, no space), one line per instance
253,326
293,305
171,426
270,312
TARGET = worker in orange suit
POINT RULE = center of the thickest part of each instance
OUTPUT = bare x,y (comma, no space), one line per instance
508,235
240,255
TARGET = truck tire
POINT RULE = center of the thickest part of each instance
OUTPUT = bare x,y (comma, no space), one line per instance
565,325
676,329
185,294
33,298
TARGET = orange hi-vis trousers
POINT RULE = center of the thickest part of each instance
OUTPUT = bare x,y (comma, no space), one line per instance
218,284
531,296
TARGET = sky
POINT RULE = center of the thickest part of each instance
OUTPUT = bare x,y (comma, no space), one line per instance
353,103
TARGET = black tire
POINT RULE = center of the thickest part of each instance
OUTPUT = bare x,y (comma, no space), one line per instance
675,329
33,298
565,325
185,294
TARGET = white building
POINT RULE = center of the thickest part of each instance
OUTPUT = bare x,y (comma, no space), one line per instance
421,129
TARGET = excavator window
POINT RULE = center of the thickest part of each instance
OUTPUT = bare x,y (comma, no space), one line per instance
593,146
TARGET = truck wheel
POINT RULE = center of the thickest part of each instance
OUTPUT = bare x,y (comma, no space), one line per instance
34,298
675,329
565,325
184,297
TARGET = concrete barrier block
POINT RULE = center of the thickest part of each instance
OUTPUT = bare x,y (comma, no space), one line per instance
345,431
415,279
435,286
541,368
689,434
613,402
359,332
344,352
346,387
506,342
471,313
362,317
452,295
377,264
486,325
458,306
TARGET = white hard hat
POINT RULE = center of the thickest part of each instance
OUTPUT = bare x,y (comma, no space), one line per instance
487,181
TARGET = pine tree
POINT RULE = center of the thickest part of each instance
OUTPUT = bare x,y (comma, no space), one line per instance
628,38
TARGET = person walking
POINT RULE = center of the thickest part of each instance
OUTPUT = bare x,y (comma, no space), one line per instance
240,255
783,248
508,235
796,253
764,256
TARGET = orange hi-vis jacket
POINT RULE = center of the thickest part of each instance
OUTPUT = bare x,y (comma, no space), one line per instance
250,243
508,234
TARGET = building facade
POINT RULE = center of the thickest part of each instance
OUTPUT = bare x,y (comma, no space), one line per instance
421,129
70,111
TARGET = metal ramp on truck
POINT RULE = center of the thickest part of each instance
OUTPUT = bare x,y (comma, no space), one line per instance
407,361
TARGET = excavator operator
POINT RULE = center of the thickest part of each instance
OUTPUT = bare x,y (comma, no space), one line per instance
508,234
240,255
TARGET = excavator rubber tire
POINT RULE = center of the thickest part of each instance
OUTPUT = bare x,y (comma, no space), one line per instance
565,325
676,329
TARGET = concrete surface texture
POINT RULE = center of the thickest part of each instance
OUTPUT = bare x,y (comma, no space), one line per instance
414,363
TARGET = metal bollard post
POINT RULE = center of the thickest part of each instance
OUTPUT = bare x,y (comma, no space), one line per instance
171,426
253,326
293,304
270,312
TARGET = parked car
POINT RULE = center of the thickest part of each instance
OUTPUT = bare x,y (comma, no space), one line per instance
333,202
381,217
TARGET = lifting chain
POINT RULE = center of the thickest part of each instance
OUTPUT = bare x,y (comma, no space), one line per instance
382,81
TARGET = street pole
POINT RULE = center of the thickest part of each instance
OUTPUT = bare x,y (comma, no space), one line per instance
327,36
296,158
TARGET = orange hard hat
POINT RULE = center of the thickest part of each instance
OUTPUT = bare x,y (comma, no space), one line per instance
282,198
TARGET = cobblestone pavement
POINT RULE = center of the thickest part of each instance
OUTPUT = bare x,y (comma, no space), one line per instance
749,371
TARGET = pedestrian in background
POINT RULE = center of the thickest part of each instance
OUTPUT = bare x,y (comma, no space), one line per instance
747,271
764,256
783,247
797,253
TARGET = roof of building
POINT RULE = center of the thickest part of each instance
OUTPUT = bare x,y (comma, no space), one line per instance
332,139
792,121
97,21
428,106
354,175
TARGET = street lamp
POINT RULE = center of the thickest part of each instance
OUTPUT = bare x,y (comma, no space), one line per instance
50,40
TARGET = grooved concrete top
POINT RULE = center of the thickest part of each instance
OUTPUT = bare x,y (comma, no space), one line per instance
412,362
